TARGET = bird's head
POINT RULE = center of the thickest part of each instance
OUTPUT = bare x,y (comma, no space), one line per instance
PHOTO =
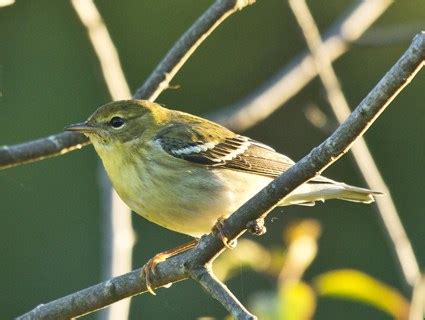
121,121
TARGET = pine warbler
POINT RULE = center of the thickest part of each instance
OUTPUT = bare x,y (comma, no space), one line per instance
184,172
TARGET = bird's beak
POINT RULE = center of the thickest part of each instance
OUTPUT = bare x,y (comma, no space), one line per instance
82,127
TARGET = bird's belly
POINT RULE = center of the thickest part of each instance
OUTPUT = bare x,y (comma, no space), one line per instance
186,200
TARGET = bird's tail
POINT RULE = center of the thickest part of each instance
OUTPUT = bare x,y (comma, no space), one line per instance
310,192
356,194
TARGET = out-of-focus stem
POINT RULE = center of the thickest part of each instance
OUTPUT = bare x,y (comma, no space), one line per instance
118,234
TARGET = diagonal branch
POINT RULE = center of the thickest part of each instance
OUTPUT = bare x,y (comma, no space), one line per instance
218,290
364,160
177,268
160,78
64,142
270,96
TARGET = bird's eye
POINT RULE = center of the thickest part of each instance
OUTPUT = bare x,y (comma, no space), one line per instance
116,122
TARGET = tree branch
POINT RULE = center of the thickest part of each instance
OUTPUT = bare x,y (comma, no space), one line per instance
386,208
159,80
40,149
270,96
218,290
210,246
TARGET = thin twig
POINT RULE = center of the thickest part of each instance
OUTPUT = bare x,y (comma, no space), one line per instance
364,160
210,246
218,290
118,236
43,148
270,96
160,78
40,149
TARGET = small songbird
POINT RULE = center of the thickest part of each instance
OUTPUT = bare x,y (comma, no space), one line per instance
184,172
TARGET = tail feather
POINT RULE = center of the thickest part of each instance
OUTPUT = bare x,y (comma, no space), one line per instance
327,189
356,194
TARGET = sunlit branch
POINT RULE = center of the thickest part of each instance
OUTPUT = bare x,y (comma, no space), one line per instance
40,149
219,291
160,78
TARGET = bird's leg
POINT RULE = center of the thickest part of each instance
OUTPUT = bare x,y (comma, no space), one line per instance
222,234
256,227
149,267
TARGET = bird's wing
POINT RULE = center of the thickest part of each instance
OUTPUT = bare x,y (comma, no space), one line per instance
212,146
218,147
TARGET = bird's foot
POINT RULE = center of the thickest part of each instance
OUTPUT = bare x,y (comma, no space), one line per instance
149,269
219,228
256,227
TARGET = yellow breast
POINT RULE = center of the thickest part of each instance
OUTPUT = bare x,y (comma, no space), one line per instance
173,192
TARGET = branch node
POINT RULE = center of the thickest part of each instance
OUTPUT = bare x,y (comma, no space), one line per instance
197,272
256,227
111,288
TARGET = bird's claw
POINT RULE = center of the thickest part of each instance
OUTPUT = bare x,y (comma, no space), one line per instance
219,227
149,269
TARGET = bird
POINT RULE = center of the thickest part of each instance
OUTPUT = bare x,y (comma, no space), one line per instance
185,173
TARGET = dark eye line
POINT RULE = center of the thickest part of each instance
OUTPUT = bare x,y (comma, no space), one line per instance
117,122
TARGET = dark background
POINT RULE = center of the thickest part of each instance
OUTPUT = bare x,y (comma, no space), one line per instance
50,226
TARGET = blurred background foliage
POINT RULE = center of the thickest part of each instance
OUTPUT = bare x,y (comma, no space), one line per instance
51,227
